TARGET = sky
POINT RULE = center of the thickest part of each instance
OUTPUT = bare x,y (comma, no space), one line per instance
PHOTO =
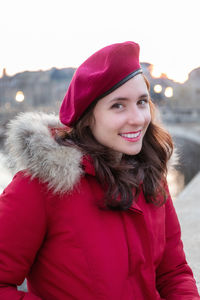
41,34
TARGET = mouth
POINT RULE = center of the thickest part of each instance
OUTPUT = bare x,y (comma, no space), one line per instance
131,136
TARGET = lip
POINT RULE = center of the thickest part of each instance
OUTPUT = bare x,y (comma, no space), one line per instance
131,139
129,132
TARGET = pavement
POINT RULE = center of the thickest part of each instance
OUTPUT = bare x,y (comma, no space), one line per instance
187,206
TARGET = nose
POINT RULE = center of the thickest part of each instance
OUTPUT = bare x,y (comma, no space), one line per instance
136,116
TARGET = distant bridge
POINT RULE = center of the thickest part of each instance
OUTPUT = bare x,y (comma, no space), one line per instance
187,131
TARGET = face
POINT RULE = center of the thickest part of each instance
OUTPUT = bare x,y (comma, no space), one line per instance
122,117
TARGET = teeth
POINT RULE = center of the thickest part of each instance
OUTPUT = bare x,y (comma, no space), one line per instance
130,135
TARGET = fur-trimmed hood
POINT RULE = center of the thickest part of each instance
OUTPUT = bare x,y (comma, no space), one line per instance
31,146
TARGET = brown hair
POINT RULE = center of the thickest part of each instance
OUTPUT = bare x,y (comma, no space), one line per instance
123,179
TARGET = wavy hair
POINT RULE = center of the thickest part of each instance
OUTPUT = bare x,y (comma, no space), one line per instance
124,179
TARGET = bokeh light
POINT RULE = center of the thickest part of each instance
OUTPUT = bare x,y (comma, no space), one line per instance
19,96
169,92
157,88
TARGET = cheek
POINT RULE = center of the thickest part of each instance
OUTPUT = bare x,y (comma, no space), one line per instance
99,126
107,122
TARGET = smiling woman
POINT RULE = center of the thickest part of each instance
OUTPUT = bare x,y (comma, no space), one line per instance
91,204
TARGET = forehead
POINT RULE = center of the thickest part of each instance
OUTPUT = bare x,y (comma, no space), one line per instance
134,87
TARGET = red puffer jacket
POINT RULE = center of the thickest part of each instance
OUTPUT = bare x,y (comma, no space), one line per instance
68,248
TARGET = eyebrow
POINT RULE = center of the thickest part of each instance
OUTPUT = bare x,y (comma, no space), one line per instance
124,98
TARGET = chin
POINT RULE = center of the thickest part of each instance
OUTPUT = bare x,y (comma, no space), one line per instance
132,152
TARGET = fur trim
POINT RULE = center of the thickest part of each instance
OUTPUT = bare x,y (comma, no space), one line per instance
31,146
174,160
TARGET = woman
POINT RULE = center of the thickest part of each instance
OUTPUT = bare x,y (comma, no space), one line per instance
90,216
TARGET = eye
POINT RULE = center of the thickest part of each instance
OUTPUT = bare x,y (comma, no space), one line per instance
117,106
143,101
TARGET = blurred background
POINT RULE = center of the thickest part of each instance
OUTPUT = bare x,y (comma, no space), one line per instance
43,42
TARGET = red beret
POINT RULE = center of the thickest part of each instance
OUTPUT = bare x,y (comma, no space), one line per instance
99,75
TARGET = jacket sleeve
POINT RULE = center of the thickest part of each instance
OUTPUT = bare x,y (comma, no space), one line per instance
175,279
22,230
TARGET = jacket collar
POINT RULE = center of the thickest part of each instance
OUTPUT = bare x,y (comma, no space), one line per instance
31,146
87,165
136,207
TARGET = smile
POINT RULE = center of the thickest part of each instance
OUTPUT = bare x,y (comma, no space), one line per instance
131,136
